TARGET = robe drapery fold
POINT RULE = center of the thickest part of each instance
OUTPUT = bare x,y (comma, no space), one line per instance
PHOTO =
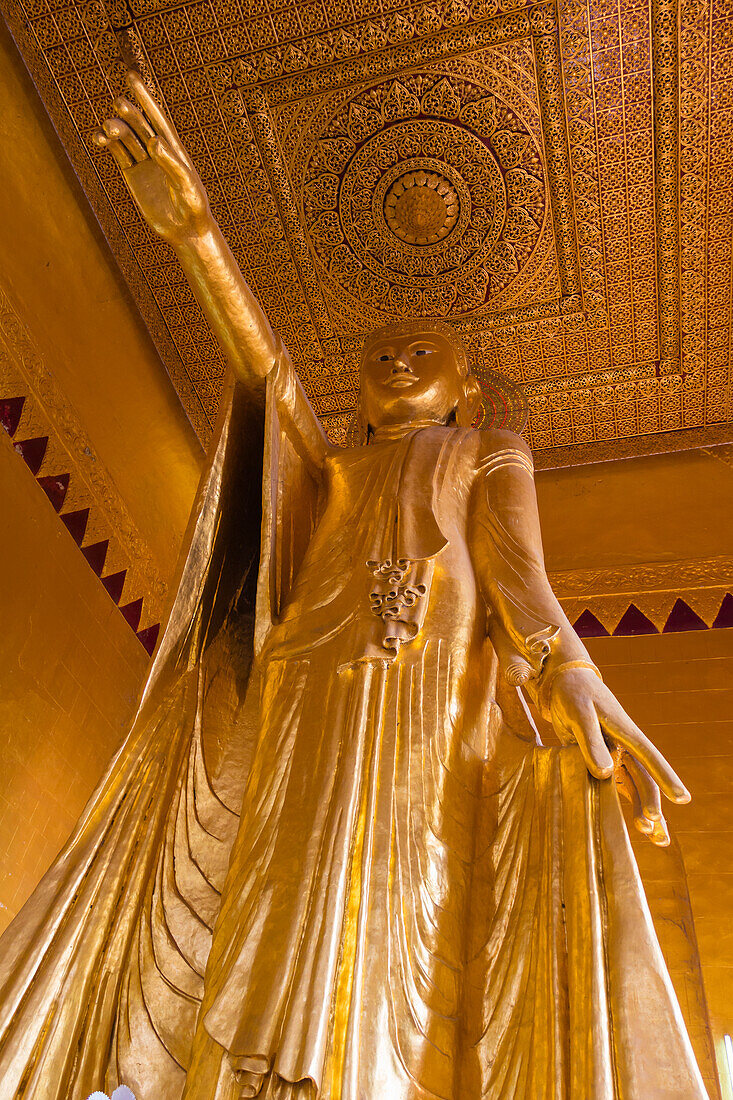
567,993
342,963
386,870
101,971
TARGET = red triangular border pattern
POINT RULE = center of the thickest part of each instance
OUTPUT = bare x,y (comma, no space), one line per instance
132,612
56,487
724,618
588,626
682,617
32,451
149,636
11,410
96,554
114,583
634,622
76,524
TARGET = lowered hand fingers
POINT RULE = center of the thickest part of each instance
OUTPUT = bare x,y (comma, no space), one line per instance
628,789
582,722
620,727
648,818
646,805
659,834
649,793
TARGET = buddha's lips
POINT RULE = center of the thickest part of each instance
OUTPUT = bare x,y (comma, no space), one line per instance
401,380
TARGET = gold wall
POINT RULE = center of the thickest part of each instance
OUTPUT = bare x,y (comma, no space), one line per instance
70,667
679,688
661,508
72,344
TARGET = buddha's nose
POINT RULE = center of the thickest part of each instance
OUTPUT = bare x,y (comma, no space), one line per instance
401,366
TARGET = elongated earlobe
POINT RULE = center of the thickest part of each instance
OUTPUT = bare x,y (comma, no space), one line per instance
362,426
357,434
467,407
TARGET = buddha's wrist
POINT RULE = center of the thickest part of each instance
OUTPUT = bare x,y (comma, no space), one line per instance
550,676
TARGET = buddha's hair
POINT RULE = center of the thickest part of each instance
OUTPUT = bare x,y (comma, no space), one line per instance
418,328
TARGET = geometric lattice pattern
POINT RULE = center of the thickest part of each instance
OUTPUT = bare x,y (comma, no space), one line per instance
554,179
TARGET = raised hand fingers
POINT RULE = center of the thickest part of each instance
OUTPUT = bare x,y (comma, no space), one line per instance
160,122
134,118
627,733
118,130
122,158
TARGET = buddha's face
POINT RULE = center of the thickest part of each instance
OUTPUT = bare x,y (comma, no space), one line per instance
410,377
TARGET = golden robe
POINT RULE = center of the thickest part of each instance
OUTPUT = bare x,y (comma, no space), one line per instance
418,900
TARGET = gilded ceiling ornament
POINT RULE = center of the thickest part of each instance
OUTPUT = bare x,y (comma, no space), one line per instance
625,265
421,207
423,214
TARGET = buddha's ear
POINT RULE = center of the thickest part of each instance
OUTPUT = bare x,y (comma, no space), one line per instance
363,426
357,434
468,405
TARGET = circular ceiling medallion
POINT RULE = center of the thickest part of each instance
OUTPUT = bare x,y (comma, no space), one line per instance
415,218
424,202
421,207
423,197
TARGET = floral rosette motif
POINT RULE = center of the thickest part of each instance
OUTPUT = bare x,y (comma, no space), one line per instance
425,197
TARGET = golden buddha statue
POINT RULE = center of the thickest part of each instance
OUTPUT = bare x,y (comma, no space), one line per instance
332,860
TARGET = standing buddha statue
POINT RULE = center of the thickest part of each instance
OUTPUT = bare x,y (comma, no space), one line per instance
332,859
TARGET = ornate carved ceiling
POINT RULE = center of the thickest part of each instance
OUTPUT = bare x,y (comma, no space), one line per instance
555,179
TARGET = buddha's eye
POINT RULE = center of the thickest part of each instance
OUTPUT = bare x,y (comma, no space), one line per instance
385,358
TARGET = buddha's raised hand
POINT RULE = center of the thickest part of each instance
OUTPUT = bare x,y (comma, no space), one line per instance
173,201
157,169
583,710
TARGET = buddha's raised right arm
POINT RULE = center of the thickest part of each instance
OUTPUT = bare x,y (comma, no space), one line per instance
172,199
